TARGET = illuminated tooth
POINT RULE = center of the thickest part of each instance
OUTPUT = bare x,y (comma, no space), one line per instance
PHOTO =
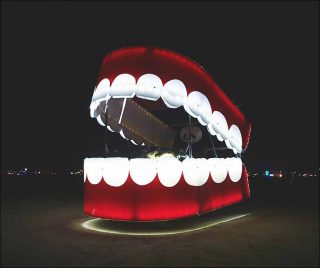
149,87
122,135
132,141
101,119
115,171
123,86
174,93
235,168
143,170
110,129
198,106
94,169
169,171
228,144
235,138
211,130
102,90
218,169
220,125
85,169
195,171
93,109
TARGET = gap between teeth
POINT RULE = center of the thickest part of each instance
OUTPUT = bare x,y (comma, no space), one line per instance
196,171
174,95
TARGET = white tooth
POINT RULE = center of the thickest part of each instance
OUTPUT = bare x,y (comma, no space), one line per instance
149,87
174,93
235,151
228,144
115,171
101,119
169,171
199,106
219,124
218,169
110,129
195,171
211,130
235,168
94,169
219,137
93,108
133,142
122,135
123,86
85,169
143,170
102,90
235,137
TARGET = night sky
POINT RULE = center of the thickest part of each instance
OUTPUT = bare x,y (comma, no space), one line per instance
264,56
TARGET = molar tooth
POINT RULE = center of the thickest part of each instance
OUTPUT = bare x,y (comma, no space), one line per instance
143,170
115,170
235,168
94,169
174,93
198,106
220,125
195,171
149,87
169,171
123,86
235,137
218,169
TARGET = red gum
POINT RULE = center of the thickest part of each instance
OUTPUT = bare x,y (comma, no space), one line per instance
156,202
170,65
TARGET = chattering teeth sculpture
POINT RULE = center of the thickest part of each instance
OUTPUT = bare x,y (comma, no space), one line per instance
139,92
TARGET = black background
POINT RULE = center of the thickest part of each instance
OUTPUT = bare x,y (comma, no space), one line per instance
264,55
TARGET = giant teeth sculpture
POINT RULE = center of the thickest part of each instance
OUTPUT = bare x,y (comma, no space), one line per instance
145,189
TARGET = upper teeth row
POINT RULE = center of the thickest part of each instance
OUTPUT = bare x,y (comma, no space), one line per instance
196,171
174,94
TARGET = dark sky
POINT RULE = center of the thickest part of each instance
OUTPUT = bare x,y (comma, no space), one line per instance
265,57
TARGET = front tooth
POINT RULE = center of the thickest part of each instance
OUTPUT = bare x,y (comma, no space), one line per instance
174,93
115,171
94,169
235,137
123,86
143,170
235,169
195,171
218,169
102,90
169,171
149,87
219,124
198,106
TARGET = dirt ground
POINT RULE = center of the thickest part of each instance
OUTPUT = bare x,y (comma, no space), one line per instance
42,217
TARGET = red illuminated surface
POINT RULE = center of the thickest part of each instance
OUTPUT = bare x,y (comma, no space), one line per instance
157,202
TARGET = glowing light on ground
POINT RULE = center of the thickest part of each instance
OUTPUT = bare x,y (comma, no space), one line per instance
95,225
